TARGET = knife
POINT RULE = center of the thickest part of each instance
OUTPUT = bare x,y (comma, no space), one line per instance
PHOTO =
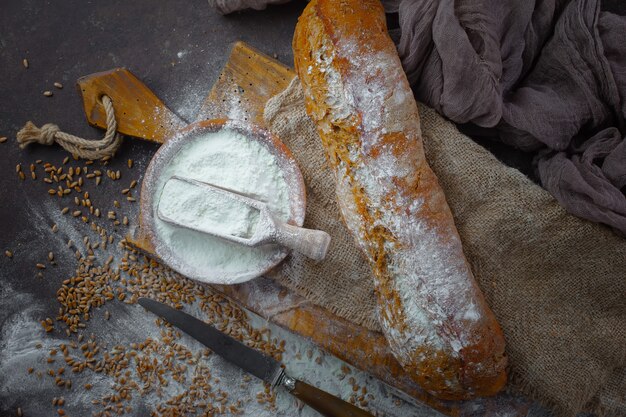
250,360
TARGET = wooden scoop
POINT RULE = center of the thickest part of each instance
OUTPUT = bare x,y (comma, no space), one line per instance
206,208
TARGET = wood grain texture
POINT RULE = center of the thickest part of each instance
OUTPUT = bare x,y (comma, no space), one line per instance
138,111
326,404
250,79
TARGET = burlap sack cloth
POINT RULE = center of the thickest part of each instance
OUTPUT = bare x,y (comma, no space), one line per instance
556,283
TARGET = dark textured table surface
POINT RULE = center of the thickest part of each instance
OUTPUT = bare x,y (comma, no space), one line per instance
176,48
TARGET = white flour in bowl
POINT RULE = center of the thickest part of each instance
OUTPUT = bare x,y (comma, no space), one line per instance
205,209
229,160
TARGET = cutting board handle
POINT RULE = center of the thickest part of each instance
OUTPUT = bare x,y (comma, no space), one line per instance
138,111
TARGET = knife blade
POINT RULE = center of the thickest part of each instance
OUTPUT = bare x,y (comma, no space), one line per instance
252,361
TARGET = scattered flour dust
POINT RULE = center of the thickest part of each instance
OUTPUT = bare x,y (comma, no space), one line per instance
229,160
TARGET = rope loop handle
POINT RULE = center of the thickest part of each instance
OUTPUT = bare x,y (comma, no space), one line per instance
50,133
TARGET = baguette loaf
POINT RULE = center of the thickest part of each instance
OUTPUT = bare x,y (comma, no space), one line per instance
431,309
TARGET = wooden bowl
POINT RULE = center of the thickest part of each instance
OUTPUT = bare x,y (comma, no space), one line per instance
286,163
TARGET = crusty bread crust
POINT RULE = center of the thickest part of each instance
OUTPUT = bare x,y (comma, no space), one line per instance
431,309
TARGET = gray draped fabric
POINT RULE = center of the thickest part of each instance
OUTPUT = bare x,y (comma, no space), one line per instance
549,76
229,6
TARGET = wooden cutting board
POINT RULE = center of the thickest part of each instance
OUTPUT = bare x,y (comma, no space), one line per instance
251,78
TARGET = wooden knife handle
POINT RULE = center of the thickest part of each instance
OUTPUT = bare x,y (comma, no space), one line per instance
326,404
